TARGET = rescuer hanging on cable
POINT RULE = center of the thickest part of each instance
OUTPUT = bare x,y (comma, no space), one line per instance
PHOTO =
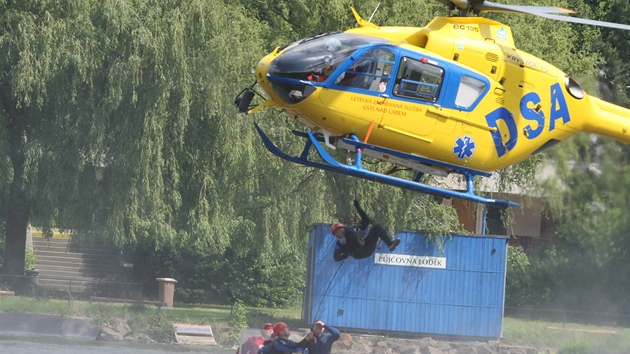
352,243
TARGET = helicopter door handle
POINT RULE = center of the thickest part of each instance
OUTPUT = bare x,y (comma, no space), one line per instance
439,112
382,98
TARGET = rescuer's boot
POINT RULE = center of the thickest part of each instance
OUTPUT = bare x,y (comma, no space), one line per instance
394,244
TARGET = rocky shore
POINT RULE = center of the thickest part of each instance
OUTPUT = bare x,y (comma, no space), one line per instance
376,344
358,344
122,331
347,344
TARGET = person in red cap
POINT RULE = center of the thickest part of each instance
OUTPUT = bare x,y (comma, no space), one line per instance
282,344
252,344
351,243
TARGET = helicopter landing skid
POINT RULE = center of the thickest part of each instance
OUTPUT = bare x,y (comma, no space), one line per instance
330,164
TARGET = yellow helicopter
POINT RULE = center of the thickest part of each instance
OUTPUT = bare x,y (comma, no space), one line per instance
456,96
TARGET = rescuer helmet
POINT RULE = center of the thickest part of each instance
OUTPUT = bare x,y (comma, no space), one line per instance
336,226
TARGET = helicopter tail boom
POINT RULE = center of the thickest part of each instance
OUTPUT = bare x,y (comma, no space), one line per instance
612,121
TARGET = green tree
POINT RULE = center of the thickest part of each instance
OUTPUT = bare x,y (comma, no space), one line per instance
97,103
589,196
42,81
517,278
614,44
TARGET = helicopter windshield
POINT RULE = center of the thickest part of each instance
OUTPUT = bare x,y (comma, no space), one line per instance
314,59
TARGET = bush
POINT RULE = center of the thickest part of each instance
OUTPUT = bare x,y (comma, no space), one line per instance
221,278
518,278
29,259
239,320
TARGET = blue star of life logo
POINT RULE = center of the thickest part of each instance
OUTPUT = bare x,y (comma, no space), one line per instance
464,147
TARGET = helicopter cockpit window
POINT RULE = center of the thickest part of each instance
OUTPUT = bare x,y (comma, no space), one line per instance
318,56
418,79
313,59
469,91
372,71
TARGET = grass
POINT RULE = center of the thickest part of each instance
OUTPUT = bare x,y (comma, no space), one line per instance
573,337
150,320
194,314
200,314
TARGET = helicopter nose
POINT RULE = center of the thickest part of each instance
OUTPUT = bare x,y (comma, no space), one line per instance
262,67
278,76
265,80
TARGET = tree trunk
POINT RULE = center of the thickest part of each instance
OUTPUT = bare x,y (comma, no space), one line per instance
16,224
17,209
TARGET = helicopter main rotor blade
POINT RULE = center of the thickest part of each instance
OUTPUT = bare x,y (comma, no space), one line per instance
477,6
521,9
548,12
585,21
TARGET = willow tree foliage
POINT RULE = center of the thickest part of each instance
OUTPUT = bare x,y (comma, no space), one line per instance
47,69
119,124
106,109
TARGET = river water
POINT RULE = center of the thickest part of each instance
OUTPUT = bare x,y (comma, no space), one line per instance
21,344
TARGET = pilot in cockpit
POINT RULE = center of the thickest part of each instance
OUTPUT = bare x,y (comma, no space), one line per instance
331,46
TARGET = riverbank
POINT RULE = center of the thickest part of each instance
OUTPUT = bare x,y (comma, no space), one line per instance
29,325
20,344
47,325
148,324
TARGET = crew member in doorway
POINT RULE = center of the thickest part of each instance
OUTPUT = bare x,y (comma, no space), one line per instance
322,342
351,243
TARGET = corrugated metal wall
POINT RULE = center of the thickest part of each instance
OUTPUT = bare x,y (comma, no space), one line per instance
464,298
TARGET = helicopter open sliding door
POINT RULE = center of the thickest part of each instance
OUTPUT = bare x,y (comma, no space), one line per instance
417,87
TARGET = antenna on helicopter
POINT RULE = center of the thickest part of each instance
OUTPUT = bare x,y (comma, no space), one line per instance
377,5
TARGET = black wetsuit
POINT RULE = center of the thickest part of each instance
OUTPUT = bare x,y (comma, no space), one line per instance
352,247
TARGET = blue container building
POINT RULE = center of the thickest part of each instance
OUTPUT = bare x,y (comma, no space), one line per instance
416,290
